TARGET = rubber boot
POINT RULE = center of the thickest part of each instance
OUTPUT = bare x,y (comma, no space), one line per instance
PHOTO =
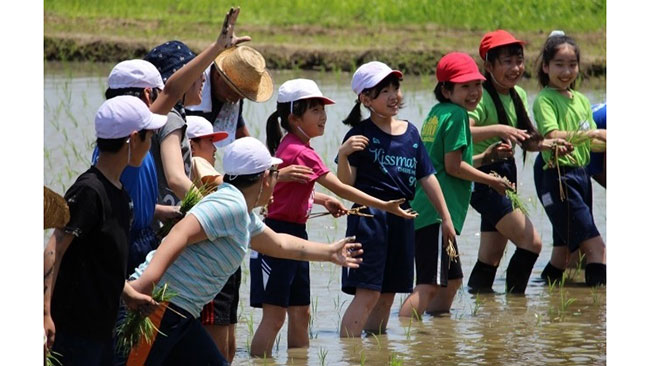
596,274
552,274
519,269
482,278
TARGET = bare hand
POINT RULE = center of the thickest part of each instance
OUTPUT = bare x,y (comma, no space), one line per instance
501,184
50,331
513,134
345,253
139,302
335,207
393,207
563,146
448,232
353,144
227,37
498,151
295,173
165,212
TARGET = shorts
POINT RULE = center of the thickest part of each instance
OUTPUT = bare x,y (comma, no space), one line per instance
222,310
186,342
491,205
76,350
388,251
277,281
432,263
572,219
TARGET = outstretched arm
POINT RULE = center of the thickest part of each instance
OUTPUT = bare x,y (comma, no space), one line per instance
456,167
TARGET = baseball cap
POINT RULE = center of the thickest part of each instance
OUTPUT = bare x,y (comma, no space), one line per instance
371,74
247,155
297,89
134,74
169,57
119,116
495,39
198,126
457,67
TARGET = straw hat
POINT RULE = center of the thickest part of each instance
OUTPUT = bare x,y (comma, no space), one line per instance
56,212
244,70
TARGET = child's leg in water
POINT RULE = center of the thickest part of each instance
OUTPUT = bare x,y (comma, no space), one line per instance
595,270
441,303
378,318
358,311
490,251
298,327
272,320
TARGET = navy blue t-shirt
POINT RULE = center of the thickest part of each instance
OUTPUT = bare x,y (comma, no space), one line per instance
390,166
600,117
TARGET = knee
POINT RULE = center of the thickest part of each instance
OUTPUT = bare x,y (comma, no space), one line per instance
274,322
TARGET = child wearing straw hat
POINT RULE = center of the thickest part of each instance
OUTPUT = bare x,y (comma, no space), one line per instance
87,259
208,245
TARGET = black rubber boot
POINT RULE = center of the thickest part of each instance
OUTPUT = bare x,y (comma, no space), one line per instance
519,269
482,278
596,274
552,274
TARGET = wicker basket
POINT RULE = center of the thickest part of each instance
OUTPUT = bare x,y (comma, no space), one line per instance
56,213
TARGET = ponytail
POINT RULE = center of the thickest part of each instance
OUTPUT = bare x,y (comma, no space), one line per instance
354,117
273,132
280,118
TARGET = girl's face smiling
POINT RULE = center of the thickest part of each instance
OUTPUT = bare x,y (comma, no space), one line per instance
466,95
563,68
506,71
387,102
311,123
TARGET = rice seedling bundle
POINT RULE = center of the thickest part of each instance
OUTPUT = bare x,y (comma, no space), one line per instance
192,197
511,193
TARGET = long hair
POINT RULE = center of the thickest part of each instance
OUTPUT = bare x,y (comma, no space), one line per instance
550,48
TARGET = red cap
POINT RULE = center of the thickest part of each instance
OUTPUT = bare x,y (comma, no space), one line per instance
457,67
495,39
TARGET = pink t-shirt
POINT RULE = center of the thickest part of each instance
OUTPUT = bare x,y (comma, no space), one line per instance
292,201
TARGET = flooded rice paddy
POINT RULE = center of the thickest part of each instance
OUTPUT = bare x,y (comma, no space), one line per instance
561,325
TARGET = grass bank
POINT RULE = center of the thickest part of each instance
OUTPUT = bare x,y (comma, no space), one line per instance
322,35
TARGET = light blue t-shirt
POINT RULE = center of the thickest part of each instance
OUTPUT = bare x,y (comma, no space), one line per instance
201,270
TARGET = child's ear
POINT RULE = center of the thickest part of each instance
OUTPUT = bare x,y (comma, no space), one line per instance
364,99
446,92
545,67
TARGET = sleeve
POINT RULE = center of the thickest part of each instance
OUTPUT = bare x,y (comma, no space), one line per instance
310,158
174,122
220,215
424,166
85,210
240,120
256,226
544,115
455,131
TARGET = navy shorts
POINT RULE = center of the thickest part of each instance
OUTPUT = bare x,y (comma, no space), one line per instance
572,219
277,281
222,310
388,251
75,350
491,205
432,263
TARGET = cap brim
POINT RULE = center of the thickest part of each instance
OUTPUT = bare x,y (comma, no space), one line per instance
468,77
275,161
155,122
325,100
217,136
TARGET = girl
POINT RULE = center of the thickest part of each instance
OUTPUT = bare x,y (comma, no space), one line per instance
501,115
281,286
203,143
385,157
448,140
563,184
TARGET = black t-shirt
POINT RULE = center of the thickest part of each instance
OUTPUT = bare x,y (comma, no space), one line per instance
93,269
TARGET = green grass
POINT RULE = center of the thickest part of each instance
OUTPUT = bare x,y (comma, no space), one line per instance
520,15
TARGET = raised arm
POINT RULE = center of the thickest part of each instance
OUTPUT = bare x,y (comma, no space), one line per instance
343,252
181,80
173,165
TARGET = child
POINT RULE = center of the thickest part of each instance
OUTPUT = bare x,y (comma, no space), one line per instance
203,143
448,140
565,188
281,286
87,259
208,245
385,157
597,167
501,115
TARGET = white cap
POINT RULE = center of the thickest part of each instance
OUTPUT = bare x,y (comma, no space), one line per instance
297,89
556,33
247,155
198,126
370,74
134,74
121,115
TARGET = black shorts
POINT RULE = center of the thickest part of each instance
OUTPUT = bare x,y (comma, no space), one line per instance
432,264
486,201
222,310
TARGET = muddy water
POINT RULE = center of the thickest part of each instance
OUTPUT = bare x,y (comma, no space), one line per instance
558,326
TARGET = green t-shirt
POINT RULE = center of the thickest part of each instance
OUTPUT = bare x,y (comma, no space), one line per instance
445,129
485,114
554,111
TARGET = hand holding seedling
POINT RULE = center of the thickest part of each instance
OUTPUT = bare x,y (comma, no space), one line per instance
353,144
227,37
295,173
501,184
345,253
448,233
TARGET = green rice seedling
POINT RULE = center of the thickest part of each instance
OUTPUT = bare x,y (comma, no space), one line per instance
517,202
192,197
478,303
395,360
565,302
362,357
415,316
407,333
322,355
595,296
313,333
52,358
137,326
573,272
377,339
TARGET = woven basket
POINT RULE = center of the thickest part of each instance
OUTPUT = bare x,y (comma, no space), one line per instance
56,213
